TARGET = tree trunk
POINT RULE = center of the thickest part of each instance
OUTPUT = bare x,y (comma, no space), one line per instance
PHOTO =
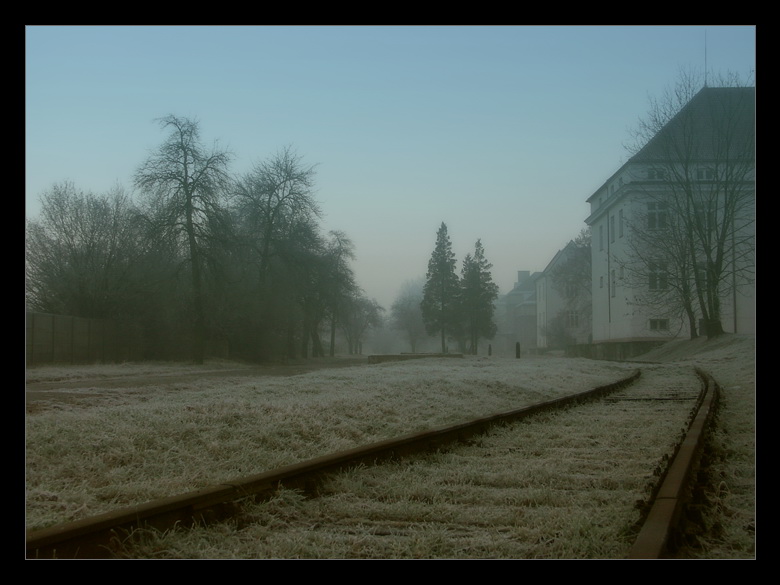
332,336
198,342
692,324
714,328
316,343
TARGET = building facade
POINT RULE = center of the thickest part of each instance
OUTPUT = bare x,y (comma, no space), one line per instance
563,301
518,324
673,230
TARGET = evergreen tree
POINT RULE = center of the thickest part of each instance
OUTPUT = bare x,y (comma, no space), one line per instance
441,290
478,293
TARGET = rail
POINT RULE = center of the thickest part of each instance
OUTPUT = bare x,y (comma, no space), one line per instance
656,539
92,537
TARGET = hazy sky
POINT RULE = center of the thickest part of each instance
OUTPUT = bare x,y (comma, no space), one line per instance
501,132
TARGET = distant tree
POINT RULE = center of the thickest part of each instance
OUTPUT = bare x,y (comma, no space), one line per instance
360,315
478,294
295,267
698,234
340,285
184,184
442,288
84,254
407,315
558,333
272,199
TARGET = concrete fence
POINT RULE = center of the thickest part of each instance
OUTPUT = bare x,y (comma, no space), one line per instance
52,339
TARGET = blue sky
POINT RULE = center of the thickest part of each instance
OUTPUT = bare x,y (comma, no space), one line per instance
501,132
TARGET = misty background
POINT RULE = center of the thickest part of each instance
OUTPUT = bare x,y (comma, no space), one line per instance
501,132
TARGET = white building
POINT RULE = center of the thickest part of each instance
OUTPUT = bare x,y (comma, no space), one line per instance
701,161
517,312
562,305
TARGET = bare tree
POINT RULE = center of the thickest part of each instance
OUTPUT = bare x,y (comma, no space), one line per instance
339,280
361,315
274,198
185,184
407,314
697,232
83,254
296,267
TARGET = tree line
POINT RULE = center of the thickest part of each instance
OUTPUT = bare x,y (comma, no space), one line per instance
200,256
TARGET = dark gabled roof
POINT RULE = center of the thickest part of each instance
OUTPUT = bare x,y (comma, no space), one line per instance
557,256
713,114
714,118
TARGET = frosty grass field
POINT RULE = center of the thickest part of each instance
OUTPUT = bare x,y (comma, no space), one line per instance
118,446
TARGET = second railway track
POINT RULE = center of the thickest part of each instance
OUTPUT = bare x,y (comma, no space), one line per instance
550,487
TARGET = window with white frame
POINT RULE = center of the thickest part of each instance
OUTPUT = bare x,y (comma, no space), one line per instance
657,276
656,215
658,324
705,216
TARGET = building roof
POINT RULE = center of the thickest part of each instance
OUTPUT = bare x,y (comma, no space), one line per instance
712,114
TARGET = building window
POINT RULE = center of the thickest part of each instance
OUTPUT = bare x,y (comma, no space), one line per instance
657,276
572,319
705,174
613,283
620,223
601,237
656,215
601,282
659,324
656,174
612,229
705,217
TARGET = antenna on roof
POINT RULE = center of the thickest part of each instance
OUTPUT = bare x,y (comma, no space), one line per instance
705,57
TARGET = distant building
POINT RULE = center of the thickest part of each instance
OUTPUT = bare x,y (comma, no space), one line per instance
685,178
563,303
517,309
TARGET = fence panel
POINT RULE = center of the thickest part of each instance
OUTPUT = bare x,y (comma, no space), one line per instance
77,340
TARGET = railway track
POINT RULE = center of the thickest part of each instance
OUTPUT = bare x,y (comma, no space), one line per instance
101,536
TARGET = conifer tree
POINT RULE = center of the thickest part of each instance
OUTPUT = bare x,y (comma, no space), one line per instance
441,290
478,292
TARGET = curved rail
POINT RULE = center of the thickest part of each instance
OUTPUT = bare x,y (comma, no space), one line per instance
92,537
656,538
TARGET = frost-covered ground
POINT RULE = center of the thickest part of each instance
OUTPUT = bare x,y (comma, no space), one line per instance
126,445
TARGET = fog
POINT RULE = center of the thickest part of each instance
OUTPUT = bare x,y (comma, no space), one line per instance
500,132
